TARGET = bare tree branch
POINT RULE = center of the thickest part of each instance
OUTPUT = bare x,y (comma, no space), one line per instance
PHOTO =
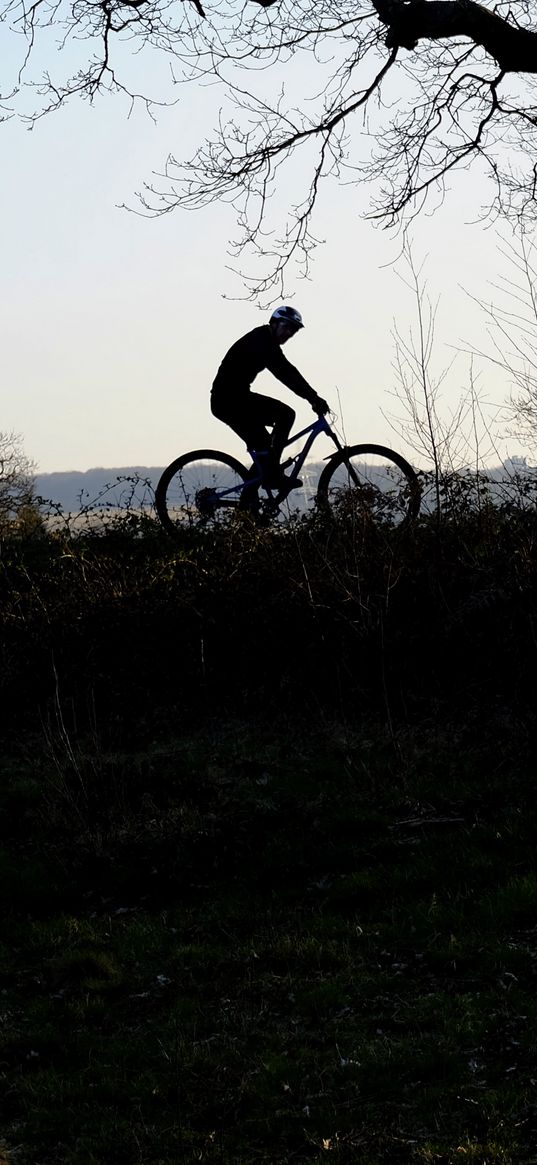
403,94
513,48
16,478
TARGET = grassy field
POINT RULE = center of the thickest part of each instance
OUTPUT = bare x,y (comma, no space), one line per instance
267,861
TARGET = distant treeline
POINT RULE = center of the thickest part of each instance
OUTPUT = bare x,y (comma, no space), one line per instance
74,490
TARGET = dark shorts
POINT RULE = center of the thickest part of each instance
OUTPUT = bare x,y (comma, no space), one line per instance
251,415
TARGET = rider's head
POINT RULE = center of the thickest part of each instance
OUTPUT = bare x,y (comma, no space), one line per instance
284,322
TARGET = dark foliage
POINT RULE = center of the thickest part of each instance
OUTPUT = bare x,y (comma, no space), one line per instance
267,845
319,615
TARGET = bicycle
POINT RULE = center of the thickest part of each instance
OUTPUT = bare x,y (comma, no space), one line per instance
205,485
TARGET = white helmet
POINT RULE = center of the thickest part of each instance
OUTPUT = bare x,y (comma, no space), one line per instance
288,315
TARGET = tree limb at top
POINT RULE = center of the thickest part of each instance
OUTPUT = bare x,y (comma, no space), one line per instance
514,49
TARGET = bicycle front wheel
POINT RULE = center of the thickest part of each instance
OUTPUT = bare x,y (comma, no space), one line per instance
199,488
372,483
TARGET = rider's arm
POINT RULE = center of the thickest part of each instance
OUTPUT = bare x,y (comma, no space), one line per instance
282,368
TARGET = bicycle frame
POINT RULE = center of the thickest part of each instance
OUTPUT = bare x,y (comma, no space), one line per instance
207,499
321,425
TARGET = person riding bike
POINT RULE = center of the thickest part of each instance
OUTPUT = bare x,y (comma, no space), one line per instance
248,413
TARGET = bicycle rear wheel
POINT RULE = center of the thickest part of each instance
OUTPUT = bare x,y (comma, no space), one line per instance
372,483
199,488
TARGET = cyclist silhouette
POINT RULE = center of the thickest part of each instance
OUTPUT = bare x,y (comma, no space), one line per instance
248,413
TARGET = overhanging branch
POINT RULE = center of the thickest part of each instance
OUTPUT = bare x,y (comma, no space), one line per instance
409,21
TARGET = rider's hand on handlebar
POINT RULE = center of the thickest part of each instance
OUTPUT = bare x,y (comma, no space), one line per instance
320,406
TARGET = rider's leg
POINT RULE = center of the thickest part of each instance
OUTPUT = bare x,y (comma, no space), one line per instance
282,420
249,415
273,413
242,416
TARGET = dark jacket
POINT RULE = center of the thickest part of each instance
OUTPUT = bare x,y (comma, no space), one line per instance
249,356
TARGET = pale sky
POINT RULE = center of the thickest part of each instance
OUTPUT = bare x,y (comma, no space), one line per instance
114,325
